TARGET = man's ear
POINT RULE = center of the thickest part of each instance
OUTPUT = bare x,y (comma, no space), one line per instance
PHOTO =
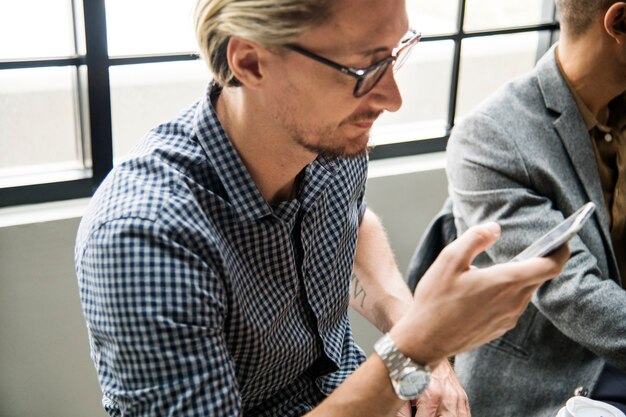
244,59
615,22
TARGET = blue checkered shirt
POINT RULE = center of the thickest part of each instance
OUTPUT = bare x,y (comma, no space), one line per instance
203,300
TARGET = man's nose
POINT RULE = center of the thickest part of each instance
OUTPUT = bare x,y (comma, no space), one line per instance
386,94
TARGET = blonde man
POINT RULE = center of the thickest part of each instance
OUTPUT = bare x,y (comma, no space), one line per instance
215,263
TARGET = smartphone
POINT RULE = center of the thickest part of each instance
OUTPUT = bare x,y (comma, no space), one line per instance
558,236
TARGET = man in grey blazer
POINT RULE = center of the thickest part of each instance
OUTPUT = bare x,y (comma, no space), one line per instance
529,156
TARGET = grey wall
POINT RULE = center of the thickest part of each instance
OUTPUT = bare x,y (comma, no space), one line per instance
45,369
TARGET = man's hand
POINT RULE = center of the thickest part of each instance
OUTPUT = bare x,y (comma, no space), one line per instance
405,411
457,307
444,396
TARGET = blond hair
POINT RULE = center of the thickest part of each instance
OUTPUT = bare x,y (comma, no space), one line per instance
577,15
266,22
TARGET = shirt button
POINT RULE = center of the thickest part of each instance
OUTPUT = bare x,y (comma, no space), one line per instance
608,138
581,392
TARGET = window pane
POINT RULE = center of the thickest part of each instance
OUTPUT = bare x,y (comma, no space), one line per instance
489,62
489,14
142,96
35,29
37,121
433,17
424,83
150,26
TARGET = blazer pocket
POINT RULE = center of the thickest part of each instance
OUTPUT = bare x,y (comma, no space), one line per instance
515,342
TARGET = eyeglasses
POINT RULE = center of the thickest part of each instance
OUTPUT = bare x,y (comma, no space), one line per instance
368,77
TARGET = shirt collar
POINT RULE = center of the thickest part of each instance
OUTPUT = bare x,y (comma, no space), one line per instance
241,191
617,118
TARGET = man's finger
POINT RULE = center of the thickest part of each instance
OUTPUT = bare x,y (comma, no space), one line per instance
535,271
475,240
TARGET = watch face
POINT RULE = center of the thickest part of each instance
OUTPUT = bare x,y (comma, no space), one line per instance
412,383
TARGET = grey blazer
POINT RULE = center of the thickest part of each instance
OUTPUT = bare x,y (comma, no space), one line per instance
524,159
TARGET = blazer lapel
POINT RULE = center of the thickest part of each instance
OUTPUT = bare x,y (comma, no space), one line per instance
570,127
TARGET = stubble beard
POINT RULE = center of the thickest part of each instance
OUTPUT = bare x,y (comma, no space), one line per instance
325,148
328,144
324,141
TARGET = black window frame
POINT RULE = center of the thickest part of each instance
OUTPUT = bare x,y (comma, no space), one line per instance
95,114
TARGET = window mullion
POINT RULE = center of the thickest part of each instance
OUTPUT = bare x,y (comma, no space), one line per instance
98,87
547,38
456,65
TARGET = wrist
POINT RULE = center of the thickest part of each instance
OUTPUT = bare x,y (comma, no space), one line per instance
408,378
391,313
416,344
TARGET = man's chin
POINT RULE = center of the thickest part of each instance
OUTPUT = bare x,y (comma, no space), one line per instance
345,152
353,147
358,146
359,152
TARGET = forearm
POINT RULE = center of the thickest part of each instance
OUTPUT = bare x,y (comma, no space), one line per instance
368,391
602,304
378,291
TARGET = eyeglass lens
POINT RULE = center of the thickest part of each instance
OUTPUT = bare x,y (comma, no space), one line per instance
365,85
371,79
402,55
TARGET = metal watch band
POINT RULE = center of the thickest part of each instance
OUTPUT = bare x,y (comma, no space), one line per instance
394,360
408,378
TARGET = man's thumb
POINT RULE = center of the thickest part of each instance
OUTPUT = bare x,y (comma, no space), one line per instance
474,241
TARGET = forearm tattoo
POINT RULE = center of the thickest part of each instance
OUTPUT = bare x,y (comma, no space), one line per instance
358,290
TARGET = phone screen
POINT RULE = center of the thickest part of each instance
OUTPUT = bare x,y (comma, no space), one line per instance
559,235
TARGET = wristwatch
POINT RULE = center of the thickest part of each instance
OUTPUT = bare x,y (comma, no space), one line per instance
408,378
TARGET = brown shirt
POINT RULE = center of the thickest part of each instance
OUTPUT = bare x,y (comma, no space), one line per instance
609,145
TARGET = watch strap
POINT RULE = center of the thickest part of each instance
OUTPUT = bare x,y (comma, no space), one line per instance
399,365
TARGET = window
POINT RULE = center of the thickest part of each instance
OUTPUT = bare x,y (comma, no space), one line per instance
78,80
469,49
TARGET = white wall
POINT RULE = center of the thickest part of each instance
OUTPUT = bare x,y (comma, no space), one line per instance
45,368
